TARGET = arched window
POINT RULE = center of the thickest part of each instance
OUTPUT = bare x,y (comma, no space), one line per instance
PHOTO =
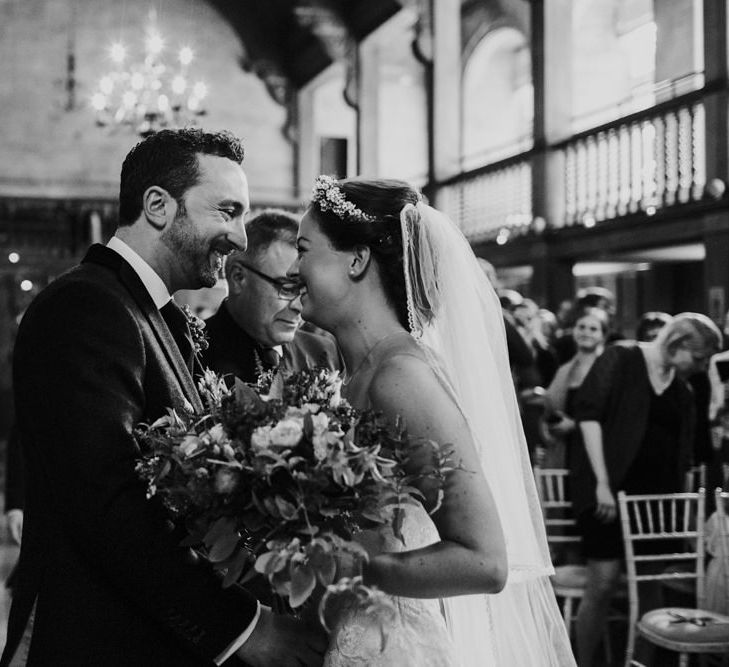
498,99
627,55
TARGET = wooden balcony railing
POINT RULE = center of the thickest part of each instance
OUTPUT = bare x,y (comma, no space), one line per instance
490,201
646,162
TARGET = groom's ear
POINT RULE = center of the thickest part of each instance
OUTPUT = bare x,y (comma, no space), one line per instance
360,260
159,207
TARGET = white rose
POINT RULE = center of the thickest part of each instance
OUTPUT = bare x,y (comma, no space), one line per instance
217,434
336,397
295,413
261,437
286,433
225,480
188,445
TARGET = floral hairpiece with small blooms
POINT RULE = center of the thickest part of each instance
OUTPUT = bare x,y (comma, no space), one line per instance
329,197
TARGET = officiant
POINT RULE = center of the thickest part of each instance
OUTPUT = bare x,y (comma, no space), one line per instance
258,326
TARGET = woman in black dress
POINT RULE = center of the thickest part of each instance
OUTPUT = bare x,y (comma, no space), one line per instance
636,417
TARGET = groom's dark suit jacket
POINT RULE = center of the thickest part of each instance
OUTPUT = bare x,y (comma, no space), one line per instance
110,584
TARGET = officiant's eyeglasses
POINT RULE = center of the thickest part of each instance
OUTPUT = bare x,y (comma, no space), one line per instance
285,288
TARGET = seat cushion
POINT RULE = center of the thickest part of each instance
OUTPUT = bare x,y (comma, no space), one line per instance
685,626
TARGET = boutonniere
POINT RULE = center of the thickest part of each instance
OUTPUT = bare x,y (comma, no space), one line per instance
197,330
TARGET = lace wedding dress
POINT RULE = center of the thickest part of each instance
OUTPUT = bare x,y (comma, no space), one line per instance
417,635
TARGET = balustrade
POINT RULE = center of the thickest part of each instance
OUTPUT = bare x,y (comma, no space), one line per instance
491,202
643,163
652,161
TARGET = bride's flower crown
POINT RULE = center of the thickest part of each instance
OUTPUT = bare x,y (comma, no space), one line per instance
328,197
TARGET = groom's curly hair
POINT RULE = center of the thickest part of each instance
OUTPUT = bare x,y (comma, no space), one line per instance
382,199
168,159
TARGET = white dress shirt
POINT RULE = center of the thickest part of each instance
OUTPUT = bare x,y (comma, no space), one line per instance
161,295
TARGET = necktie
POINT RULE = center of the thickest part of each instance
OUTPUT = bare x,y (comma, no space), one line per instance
180,329
269,357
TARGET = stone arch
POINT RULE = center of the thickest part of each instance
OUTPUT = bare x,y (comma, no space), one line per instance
498,99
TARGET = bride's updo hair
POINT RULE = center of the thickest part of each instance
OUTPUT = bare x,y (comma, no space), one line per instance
381,200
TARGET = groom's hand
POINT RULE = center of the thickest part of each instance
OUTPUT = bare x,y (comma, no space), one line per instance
283,641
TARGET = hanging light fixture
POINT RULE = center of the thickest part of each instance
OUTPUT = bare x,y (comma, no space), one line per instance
149,95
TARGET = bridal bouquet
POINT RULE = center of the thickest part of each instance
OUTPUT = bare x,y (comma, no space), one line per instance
278,481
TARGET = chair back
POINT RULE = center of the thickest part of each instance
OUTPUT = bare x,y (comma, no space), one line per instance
674,519
556,507
722,516
695,478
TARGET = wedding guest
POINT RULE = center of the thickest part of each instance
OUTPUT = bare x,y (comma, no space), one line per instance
717,571
559,426
541,335
650,324
719,409
519,353
258,325
521,359
636,418
590,297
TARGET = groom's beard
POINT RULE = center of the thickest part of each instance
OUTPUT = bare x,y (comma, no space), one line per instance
198,261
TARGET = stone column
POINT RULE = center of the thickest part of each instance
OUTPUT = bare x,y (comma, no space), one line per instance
716,236
716,69
447,69
369,108
551,22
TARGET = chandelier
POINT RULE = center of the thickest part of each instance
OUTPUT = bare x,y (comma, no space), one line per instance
148,95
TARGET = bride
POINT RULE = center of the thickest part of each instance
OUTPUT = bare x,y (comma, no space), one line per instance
422,336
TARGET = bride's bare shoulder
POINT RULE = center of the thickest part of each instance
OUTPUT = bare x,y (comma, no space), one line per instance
405,381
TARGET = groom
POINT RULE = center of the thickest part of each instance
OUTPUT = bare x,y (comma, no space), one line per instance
102,580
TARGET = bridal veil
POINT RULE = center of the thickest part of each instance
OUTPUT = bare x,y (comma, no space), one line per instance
455,314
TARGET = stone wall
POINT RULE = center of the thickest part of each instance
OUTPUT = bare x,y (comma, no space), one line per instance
49,150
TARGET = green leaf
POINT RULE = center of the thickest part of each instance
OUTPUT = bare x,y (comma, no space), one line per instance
325,567
303,582
253,521
250,574
288,510
223,547
165,470
271,562
375,516
223,526
236,568
263,561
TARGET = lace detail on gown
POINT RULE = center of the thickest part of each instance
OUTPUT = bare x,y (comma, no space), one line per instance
416,636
